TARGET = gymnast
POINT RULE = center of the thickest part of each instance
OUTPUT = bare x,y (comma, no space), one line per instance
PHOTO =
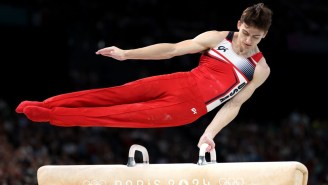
231,68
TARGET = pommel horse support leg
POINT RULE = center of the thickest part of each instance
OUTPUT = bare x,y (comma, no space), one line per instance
202,173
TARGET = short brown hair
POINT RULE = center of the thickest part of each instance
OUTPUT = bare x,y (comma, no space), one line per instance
258,16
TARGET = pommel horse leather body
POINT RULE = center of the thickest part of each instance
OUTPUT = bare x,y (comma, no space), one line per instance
202,173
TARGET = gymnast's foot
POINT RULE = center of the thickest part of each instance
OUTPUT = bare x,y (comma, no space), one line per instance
37,114
24,104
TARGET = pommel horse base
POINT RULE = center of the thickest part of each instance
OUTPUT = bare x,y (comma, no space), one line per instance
202,173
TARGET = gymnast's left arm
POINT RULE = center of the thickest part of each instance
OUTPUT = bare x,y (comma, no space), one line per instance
231,108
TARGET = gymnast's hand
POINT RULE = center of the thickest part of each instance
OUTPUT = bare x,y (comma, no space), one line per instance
208,140
113,52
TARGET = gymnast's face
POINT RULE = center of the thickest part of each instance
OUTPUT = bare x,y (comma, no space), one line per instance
249,36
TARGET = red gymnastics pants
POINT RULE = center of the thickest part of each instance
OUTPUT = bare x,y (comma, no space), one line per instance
158,101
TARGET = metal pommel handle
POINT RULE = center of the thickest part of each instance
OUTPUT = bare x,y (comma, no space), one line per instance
133,149
202,151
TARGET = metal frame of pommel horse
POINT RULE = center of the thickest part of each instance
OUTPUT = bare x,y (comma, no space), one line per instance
200,173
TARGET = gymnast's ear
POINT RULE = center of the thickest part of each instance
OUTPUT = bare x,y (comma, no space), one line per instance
238,24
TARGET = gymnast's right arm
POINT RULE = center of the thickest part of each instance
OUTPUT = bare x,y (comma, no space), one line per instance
164,50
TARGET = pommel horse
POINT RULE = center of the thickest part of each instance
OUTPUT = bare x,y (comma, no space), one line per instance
200,173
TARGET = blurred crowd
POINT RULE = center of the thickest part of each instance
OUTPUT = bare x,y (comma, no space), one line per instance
26,146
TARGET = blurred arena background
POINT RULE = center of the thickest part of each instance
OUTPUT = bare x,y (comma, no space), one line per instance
48,47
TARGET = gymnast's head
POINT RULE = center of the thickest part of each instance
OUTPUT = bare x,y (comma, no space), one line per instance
258,16
254,24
